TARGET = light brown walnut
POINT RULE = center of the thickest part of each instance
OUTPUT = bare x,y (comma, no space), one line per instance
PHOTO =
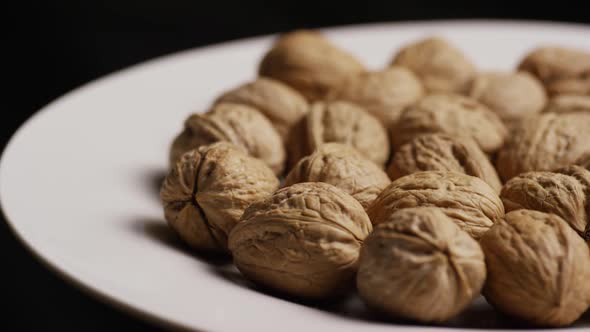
454,115
471,203
310,63
239,124
538,268
440,152
344,167
441,66
568,104
303,241
545,142
584,161
419,265
208,189
281,104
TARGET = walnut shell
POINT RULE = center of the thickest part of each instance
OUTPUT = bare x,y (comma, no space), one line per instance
471,203
440,66
565,192
239,124
545,142
384,94
538,268
440,152
310,63
453,115
344,167
339,122
281,104
568,104
206,192
303,241
420,265
584,161
510,95
562,70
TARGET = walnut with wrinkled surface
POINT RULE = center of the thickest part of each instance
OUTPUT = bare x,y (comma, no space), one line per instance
471,203
281,104
303,241
454,115
309,63
440,152
419,265
384,94
208,189
584,161
565,192
545,142
239,124
538,268
568,104
441,66
344,167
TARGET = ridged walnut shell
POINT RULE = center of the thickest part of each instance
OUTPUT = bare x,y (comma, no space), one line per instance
538,268
441,66
440,152
384,94
471,203
544,143
303,241
584,161
510,95
339,122
453,115
206,192
239,124
420,265
281,104
565,192
309,63
568,104
562,70
344,167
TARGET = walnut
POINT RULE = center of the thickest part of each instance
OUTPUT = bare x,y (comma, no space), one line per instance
538,268
339,122
282,105
440,152
344,167
467,200
441,66
308,62
303,241
385,94
545,142
208,189
568,104
584,161
239,124
510,95
562,70
453,115
419,265
565,192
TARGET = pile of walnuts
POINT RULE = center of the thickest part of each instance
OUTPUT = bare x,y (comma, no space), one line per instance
490,171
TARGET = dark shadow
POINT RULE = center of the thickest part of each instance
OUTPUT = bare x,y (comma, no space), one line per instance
154,179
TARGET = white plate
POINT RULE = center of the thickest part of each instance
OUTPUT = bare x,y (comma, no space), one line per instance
79,180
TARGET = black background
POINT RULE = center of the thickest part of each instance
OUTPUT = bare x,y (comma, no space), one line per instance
55,46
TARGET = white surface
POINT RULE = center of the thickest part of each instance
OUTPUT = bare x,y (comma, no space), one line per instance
79,180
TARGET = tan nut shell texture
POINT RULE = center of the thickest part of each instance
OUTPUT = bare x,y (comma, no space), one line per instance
239,124
538,268
467,200
207,191
453,115
344,167
310,63
565,192
544,143
420,265
568,104
304,240
441,66
584,161
282,105
439,152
